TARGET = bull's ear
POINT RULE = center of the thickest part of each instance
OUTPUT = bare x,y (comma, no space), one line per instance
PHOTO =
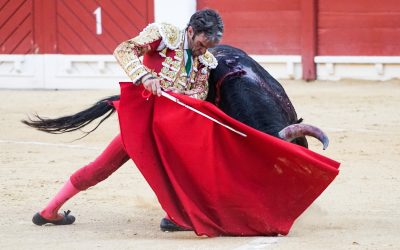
300,120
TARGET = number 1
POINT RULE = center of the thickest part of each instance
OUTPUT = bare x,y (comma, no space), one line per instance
97,12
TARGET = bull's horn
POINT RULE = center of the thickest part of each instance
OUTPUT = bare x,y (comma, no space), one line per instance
294,131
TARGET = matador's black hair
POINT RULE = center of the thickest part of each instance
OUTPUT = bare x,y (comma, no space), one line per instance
209,22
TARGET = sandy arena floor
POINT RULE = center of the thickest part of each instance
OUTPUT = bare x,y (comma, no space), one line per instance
360,210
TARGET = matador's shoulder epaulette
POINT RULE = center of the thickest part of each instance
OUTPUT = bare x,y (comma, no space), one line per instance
170,34
148,35
208,60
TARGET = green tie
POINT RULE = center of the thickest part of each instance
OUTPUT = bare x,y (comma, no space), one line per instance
189,61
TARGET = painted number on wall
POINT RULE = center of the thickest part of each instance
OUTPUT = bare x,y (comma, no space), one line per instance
97,13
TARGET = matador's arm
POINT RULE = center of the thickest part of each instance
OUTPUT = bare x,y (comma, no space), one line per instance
128,53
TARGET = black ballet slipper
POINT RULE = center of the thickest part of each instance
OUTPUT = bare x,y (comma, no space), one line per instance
66,220
167,225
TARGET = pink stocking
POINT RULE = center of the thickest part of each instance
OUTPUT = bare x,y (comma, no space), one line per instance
113,157
50,212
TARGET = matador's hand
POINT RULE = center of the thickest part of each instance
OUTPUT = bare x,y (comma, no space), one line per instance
174,90
153,86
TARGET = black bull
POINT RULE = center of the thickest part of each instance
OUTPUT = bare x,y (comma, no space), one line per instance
239,86
244,90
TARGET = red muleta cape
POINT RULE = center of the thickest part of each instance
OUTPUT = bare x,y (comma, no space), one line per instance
213,180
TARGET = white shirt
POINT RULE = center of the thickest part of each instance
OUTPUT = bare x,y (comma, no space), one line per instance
185,55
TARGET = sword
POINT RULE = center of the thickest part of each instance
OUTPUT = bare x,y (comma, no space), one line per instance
174,99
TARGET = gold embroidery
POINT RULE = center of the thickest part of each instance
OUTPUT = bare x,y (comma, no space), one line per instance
128,52
168,60
132,68
171,69
179,54
194,73
208,60
171,35
129,61
136,75
164,84
148,35
163,52
173,73
124,57
182,79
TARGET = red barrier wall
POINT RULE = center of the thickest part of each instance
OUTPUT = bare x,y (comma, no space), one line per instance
16,27
69,26
343,27
311,27
359,27
272,27
259,26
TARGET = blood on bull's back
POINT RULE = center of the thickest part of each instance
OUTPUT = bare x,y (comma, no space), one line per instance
244,90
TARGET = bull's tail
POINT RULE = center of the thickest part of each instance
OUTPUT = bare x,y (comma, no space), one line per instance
103,108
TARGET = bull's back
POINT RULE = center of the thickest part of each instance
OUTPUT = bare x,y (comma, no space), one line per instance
248,93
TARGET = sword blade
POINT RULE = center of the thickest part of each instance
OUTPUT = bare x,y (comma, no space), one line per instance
174,99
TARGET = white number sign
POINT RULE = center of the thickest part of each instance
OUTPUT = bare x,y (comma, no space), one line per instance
97,13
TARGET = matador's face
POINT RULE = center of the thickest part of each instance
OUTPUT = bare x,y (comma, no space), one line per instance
198,43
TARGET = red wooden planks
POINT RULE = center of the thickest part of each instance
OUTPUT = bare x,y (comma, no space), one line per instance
361,6
23,32
259,26
69,26
16,27
359,27
120,20
249,5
